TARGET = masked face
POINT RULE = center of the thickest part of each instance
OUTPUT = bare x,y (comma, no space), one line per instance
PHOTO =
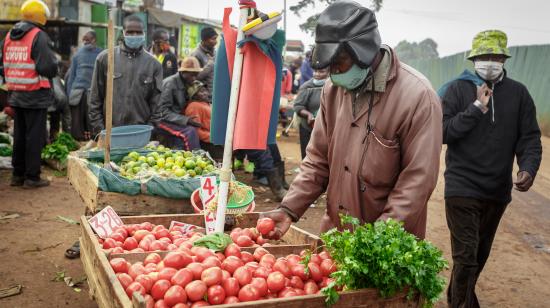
489,70
351,79
134,41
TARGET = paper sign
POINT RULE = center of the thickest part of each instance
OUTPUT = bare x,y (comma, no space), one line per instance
104,222
183,227
209,189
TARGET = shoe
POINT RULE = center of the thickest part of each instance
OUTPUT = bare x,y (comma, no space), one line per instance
17,180
281,170
36,184
262,181
276,185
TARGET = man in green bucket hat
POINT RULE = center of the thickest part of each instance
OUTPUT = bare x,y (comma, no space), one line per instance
488,120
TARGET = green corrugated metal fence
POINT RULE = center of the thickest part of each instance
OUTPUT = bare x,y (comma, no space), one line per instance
529,65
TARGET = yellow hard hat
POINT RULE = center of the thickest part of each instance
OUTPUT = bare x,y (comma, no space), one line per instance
35,11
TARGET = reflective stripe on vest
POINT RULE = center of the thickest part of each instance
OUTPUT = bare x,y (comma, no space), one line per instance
19,67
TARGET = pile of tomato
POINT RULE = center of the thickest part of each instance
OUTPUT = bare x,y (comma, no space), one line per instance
196,276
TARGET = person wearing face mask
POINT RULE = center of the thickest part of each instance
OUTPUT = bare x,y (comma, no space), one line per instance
307,104
376,141
485,127
78,82
161,51
136,86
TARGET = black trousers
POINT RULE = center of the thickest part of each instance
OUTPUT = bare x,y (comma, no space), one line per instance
473,225
80,122
29,137
305,135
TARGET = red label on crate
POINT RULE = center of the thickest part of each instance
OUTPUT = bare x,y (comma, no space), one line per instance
182,227
104,222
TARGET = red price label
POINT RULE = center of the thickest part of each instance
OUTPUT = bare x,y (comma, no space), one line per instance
209,189
104,222
182,227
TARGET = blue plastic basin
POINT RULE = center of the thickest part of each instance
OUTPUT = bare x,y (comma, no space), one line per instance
130,136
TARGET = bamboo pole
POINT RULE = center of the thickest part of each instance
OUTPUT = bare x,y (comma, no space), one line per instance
225,174
109,92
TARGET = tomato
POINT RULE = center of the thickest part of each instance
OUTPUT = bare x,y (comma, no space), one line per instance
231,300
215,295
146,226
261,285
293,260
182,277
261,240
157,246
124,279
181,305
122,230
161,266
136,269
235,235
299,292
232,263
243,276
282,266
176,294
154,276
259,253
325,282
248,293
160,304
247,232
200,304
145,244
130,243
117,250
327,267
325,255
231,286
232,250
119,265
211,261
261,272
253,234
135,287
268,260
137,250
296,282
311,287
117,237
152,258
299,270
146,281
202,253
159,289
171,247
167,273
220,256
149,301
287,292
275,282
247,257
165,240
265,225
244,241
177,259
315,258
151,267
196,269
195,290
179,241
315,271
225,274
109,243
212,276
160,232
139,235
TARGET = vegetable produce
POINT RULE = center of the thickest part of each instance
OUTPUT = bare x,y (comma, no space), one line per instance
60,148
5,150
214,241
383,256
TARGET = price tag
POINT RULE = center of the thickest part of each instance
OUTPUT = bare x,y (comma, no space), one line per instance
209,189
183,227
104,222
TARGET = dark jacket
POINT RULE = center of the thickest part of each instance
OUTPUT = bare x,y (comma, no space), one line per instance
169,65
206,60
480,150
136,89
173,100
309,98
46,65
82,68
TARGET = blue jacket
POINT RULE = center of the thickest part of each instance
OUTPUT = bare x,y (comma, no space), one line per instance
82,68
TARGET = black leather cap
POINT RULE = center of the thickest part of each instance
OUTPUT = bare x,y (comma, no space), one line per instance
350,25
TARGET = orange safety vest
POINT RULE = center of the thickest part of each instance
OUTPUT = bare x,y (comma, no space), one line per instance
19,68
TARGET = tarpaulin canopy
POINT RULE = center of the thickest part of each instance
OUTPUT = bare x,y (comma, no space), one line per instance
171,19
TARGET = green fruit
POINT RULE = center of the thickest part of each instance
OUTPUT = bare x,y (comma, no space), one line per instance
161,148
155,154
190,164
179,172
144,166
130,165
180,161
198,170
156,168
170,160
134,155
202,164
192,173
209,168
136,169
151,161
168,165
187,154
161,162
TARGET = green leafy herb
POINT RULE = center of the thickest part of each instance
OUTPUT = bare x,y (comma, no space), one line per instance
68,140
383,256
6,151
214,241
306,258
55,151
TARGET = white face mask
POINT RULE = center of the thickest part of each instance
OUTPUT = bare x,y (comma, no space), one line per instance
488,70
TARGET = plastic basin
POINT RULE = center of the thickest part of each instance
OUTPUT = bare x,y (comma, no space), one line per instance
130,136
198,208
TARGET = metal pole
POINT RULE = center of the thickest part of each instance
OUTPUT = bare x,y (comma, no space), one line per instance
225,173
109,93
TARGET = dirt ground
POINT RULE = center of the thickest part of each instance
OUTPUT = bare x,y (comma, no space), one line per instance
32,244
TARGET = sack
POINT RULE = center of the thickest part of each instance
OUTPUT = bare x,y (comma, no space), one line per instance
76,96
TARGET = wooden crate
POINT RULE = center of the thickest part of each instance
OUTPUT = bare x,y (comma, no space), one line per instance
86,184
109,293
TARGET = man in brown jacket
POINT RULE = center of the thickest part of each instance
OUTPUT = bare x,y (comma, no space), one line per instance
376,142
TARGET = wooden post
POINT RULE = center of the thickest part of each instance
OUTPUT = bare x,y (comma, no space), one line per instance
109,92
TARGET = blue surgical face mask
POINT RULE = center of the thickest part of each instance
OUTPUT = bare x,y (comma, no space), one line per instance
318,82
134,41
351,79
